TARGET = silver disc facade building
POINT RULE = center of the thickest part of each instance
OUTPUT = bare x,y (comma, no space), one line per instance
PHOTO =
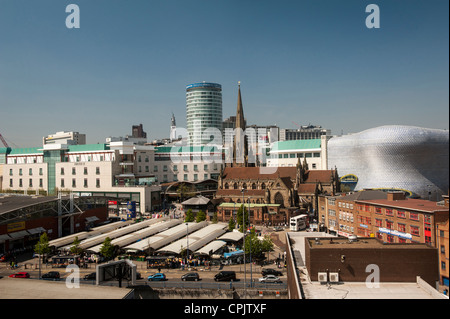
408,158
203,110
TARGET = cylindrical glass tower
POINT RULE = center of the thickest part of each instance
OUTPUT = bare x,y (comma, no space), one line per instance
203,110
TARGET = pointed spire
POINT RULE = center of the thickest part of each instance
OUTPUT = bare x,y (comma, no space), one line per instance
240,122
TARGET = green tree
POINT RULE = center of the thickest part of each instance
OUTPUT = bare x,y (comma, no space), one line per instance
75,248
107,249
257,246
231,224
242,215
42,247
201,216
189,216
215,219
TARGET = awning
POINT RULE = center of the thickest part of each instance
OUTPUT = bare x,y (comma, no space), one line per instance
36,230
91,219
18,234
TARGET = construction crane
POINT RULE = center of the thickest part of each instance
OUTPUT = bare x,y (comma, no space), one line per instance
3,141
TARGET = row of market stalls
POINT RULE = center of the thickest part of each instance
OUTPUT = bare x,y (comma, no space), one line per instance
162,236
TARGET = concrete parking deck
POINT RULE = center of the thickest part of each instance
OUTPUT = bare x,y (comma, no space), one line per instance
20,288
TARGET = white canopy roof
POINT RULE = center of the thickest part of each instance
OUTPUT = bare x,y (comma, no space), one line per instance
212,247
196,240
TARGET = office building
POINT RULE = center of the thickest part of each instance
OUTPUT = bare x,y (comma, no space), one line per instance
63,137
203,110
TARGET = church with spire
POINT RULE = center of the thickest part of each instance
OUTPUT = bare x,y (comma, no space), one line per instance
273,194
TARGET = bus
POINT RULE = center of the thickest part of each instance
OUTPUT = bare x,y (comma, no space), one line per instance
299,222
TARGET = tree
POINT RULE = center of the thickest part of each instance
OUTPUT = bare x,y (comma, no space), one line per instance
107,249
215,219
75,248
201,216
231,224
42,247
184,191
189,216
242,215
256,246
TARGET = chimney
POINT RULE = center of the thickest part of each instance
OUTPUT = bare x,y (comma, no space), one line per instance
393,196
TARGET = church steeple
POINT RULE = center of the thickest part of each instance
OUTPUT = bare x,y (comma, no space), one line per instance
240,146
240,121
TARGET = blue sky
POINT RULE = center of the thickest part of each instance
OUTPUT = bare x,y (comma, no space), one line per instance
299,62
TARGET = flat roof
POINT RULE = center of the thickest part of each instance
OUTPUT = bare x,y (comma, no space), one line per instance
408,204
17,288
361,242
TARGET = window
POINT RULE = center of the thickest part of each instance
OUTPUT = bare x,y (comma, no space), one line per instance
40,171
389,212
85,171
155,168
401,214
378,210
443,265
205,176
30,171
10,172
414,230
205,167
165,168
378,222
185,168
74,182
314,165
40,182
20,182
20,171
62,182
97,170
97,183
175,168
30,184
292,155
442,249
195,177
62,170
74,171
401,227
389,224
85,182
185,177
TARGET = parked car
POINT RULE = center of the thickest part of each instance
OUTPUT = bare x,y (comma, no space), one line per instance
157,277
278,228
21,274
91,276
270,271
225,276
190,276
270,279
51,275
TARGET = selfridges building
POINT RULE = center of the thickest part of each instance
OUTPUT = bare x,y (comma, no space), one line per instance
412,159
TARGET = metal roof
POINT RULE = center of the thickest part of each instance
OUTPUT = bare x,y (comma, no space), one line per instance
197,239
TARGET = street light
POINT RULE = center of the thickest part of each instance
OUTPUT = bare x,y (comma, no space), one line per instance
251,271
187,240
243,228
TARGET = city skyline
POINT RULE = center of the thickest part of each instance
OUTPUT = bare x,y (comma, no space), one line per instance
299,62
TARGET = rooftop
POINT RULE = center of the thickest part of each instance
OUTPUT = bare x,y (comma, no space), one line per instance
365,242
409,204
294,145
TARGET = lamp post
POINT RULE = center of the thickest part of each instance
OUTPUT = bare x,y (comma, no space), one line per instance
243,228
187,241
251,271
